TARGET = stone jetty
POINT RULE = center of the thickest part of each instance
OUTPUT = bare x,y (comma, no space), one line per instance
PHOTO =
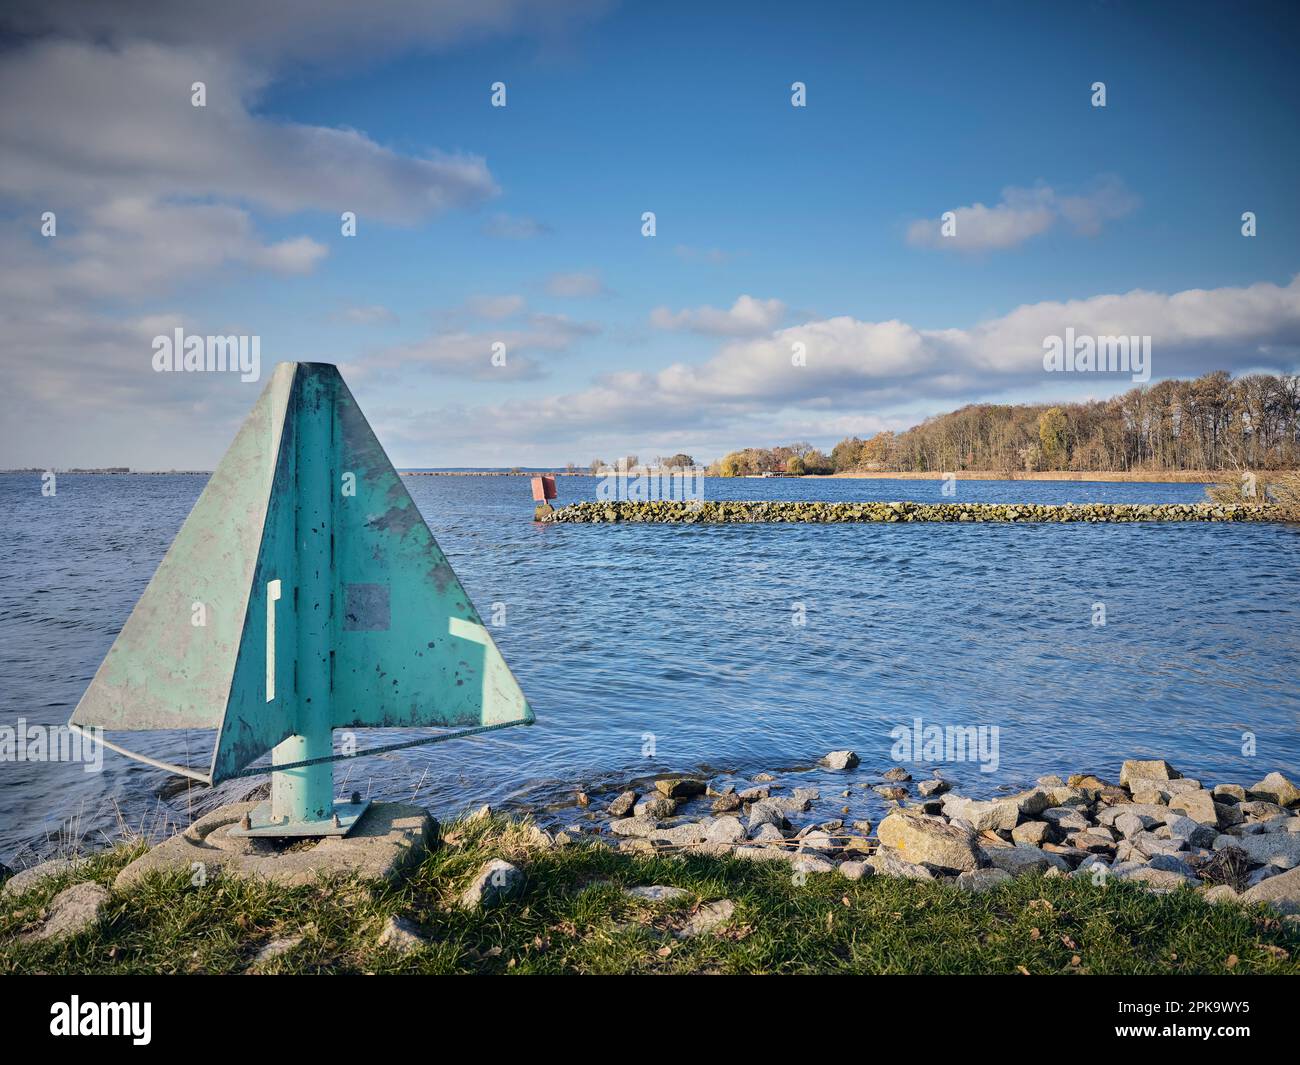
713,512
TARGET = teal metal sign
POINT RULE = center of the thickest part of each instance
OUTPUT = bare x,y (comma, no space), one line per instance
303,593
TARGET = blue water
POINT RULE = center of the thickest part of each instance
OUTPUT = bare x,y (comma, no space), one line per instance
650,648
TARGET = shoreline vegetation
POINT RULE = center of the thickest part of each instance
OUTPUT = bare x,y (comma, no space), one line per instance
1215,422
1156,874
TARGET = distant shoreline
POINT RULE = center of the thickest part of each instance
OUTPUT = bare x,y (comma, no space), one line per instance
1142,476
1132,476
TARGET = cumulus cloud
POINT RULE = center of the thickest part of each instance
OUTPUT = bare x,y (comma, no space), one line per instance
1024,213
495,307
855,368
746,317
336,30
153,194
102,121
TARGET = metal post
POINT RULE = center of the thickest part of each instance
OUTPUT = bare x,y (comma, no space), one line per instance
307,793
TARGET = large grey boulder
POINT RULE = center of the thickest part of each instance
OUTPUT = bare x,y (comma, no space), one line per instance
679,835
1282,892
1129,825
402,936
1260,809
1148,844
657,893
1198,805
811,862
1137,769
622,805
767,812
726,803
983,816
799,800
1033,802
497,880
1218,893
1023,859
1066,818
884,863
1171,863
634,826
708,917
1035,833
26,879
929,841
997,815
817,842
1155,812
725,830
1267,848
1190,831
840,760
72,911
680,787
655,808
1276,788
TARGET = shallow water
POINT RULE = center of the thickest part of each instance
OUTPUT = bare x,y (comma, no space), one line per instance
651,648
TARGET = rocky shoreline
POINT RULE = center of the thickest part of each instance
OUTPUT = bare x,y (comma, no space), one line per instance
714,512
1155,828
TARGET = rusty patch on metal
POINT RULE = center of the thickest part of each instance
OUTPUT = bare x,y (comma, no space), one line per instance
366,608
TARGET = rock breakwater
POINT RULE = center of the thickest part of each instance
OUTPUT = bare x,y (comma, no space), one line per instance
736,512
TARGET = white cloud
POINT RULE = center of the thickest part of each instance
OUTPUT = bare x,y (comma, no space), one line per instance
495,307
99,122
336,30
746,317
468,353
132,247
575,285
866,370
1023,214
153,194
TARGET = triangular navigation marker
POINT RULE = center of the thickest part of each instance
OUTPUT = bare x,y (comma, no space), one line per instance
303,593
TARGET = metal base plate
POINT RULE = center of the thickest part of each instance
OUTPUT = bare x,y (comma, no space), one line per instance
347,814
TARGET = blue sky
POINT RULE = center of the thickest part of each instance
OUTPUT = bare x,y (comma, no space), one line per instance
820,219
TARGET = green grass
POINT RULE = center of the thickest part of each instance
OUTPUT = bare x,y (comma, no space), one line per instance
574,918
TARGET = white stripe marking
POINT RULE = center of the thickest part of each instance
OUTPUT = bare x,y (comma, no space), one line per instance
272,597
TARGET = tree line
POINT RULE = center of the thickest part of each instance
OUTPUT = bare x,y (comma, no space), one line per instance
1214,422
